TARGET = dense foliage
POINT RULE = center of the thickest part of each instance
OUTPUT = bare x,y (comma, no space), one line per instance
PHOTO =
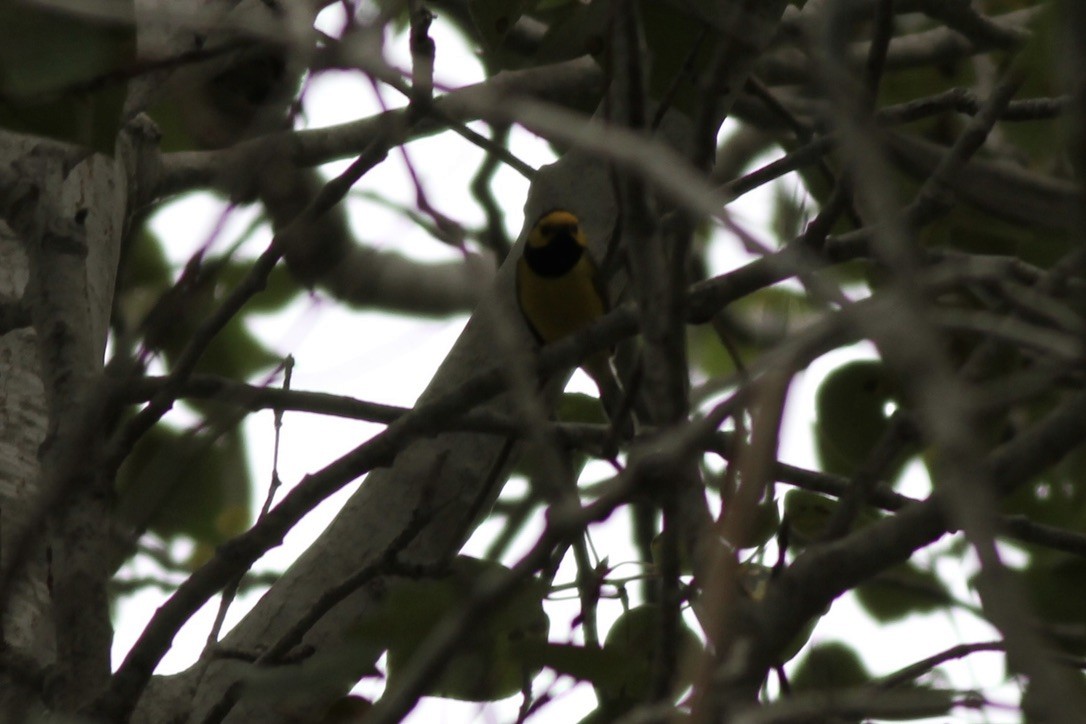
922,251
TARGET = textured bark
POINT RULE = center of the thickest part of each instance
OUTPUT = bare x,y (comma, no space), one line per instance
68,212
23,422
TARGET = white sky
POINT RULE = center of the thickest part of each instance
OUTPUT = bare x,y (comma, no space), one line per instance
388,358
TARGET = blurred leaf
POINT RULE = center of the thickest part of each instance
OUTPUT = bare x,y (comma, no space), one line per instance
173,125
234,519
581,408
280,290
790,212
1043,142
907,84
351,709
573,407
998,7
902,591
169,327
817,184
708,354
201,553
236,353
656,548
809,513
1058,498
851,414
146,263
762,525
143,275
754,580
755,322
184,483
54,68
1049,502
616,711
920,702
575,29
494,19
635,639
830,666
600,666
680,47
1057,587
491,665
548,5
397,11
1022,213
965,228
798,641
608,712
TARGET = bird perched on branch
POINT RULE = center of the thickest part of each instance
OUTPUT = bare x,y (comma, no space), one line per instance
560,292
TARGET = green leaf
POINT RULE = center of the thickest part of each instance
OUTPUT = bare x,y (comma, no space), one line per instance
656,548
851,414
830,666
1057,586
1057,499
607,713
234,352
492,665
600,666
1036,59
969,229
754,323
708,354
187,484
809,513
754,582
58,71
495,18
790,213
576,29
280,290
143,274
798,641
902,591
542,6
634,638
763,523
581,408
172,125
908,84
145,261
573,407
347,710
679,48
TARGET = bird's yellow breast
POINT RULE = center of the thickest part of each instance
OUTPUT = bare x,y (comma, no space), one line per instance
556,307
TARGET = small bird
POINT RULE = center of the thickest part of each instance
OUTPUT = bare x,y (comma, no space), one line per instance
559,292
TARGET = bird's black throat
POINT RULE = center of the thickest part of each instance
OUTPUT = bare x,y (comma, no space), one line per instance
556,258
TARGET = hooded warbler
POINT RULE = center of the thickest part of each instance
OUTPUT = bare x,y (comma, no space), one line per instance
559,292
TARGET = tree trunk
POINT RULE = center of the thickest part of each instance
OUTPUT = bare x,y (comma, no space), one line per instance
65,212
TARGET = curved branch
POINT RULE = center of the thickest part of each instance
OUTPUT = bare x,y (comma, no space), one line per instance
573,83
